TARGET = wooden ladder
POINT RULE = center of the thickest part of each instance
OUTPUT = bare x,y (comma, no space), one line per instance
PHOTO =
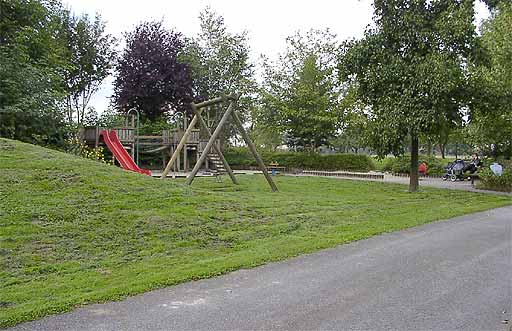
216,162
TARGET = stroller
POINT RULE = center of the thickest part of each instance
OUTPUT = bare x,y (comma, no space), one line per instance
457,170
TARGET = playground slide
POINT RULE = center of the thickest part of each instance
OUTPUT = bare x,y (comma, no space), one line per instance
115,146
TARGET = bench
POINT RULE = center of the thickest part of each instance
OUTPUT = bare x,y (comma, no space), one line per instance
275,168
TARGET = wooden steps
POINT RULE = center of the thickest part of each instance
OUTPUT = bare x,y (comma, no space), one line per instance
216,163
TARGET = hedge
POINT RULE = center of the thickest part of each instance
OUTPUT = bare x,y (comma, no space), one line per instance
489,181
241,158
402,164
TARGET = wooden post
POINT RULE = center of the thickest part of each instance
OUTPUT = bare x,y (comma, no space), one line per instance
254,152
185,158
214,137
216,148
180,146
185,147
97,141
178,161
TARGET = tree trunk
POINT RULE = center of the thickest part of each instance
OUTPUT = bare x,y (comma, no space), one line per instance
442,149
414,178
429,148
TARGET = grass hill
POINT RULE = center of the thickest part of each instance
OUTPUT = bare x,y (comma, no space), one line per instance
75,231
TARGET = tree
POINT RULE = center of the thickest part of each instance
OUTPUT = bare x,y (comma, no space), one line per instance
350,135
31,63
491,73
220,65
91,56
409,71
300,94
150,75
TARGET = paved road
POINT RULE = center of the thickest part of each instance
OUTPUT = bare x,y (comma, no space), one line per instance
441,276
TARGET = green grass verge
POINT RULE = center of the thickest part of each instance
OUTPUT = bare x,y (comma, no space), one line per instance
74,231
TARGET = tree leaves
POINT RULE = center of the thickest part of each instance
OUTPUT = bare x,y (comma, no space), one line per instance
150,75
301,93
409,69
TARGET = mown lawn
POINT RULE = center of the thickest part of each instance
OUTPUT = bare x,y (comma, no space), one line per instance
74,231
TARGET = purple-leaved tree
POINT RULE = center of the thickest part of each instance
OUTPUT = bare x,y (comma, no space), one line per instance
150,76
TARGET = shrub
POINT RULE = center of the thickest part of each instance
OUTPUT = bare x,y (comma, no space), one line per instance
79,148
387,163
489,181
402,164
241,157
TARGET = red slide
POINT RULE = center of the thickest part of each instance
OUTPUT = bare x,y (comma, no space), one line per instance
120,153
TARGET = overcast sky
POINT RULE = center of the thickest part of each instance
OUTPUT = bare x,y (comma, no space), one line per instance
268,22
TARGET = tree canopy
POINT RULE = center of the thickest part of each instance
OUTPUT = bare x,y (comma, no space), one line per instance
150,75
409,71
300,93
48,58
91,55
31,62
491,73
220,65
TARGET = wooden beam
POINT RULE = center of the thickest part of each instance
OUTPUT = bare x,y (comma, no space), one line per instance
216,147
231,97
212,140
253,150
180,145
208,102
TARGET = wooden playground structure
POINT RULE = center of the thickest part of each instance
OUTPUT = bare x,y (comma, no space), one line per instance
198,146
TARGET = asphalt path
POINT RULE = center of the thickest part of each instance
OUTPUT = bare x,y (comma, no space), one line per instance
447,275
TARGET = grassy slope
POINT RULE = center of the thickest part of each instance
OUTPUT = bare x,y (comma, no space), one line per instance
74,231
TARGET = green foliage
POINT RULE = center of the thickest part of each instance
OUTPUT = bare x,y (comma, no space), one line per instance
31,62
301,87
154,127
79,148
219,59
491,73
489,181
29,102
241,157
220,64
402,164
110,118
409,70
353,125
50,65
75,231
91,56
267,137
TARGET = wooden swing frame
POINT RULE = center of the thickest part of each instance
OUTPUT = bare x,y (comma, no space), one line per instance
212,137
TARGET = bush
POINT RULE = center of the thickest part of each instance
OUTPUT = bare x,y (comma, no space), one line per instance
402,164
489,181
242,158
386,164
79,148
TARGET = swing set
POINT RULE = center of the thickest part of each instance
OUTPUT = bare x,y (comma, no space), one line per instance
230,112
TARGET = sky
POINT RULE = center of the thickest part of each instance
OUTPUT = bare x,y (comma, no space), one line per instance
268,22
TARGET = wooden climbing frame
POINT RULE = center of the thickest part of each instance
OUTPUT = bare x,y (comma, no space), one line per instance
212,137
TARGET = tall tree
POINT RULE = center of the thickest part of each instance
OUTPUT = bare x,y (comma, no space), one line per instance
150,75
32,60
220,65
491,72
300,93
91,56
409,71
